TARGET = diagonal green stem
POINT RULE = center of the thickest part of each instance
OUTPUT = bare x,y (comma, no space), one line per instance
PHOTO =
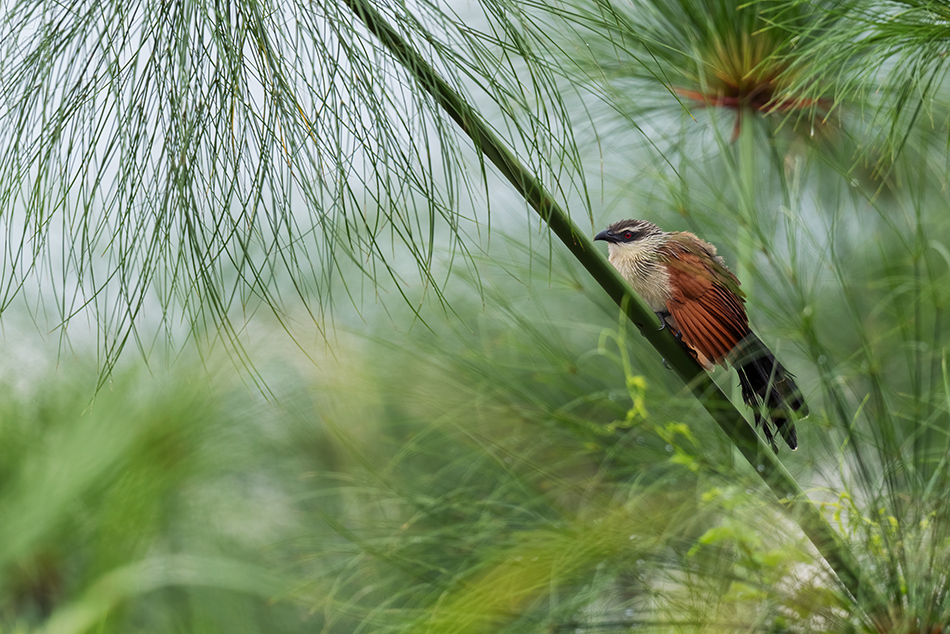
763,461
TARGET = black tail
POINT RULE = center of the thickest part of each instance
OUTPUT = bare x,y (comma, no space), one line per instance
769,389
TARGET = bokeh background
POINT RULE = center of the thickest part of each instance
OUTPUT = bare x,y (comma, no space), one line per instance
282,352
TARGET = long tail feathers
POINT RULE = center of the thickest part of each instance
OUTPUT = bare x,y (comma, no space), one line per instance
769,389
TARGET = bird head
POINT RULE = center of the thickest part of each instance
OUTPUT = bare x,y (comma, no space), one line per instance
628,231
631,235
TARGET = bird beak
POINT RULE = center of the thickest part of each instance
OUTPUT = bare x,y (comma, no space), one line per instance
605,236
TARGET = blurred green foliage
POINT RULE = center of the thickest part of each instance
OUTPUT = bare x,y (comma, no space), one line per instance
495,472
502,453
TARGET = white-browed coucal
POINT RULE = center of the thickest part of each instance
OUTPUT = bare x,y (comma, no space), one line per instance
695,294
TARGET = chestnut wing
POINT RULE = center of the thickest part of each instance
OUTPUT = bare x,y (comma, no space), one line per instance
705,303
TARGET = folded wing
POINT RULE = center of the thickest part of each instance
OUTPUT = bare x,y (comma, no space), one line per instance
706,303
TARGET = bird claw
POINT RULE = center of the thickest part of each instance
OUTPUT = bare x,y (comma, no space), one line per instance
662,317
665,363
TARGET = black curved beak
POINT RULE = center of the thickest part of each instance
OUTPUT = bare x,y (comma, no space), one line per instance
606,236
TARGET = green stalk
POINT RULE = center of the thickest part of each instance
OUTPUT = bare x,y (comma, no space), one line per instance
745,181
790,495
745,167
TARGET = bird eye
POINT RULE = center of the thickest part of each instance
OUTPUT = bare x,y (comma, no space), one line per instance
627,235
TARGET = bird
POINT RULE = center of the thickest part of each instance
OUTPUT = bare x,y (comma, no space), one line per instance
694,294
